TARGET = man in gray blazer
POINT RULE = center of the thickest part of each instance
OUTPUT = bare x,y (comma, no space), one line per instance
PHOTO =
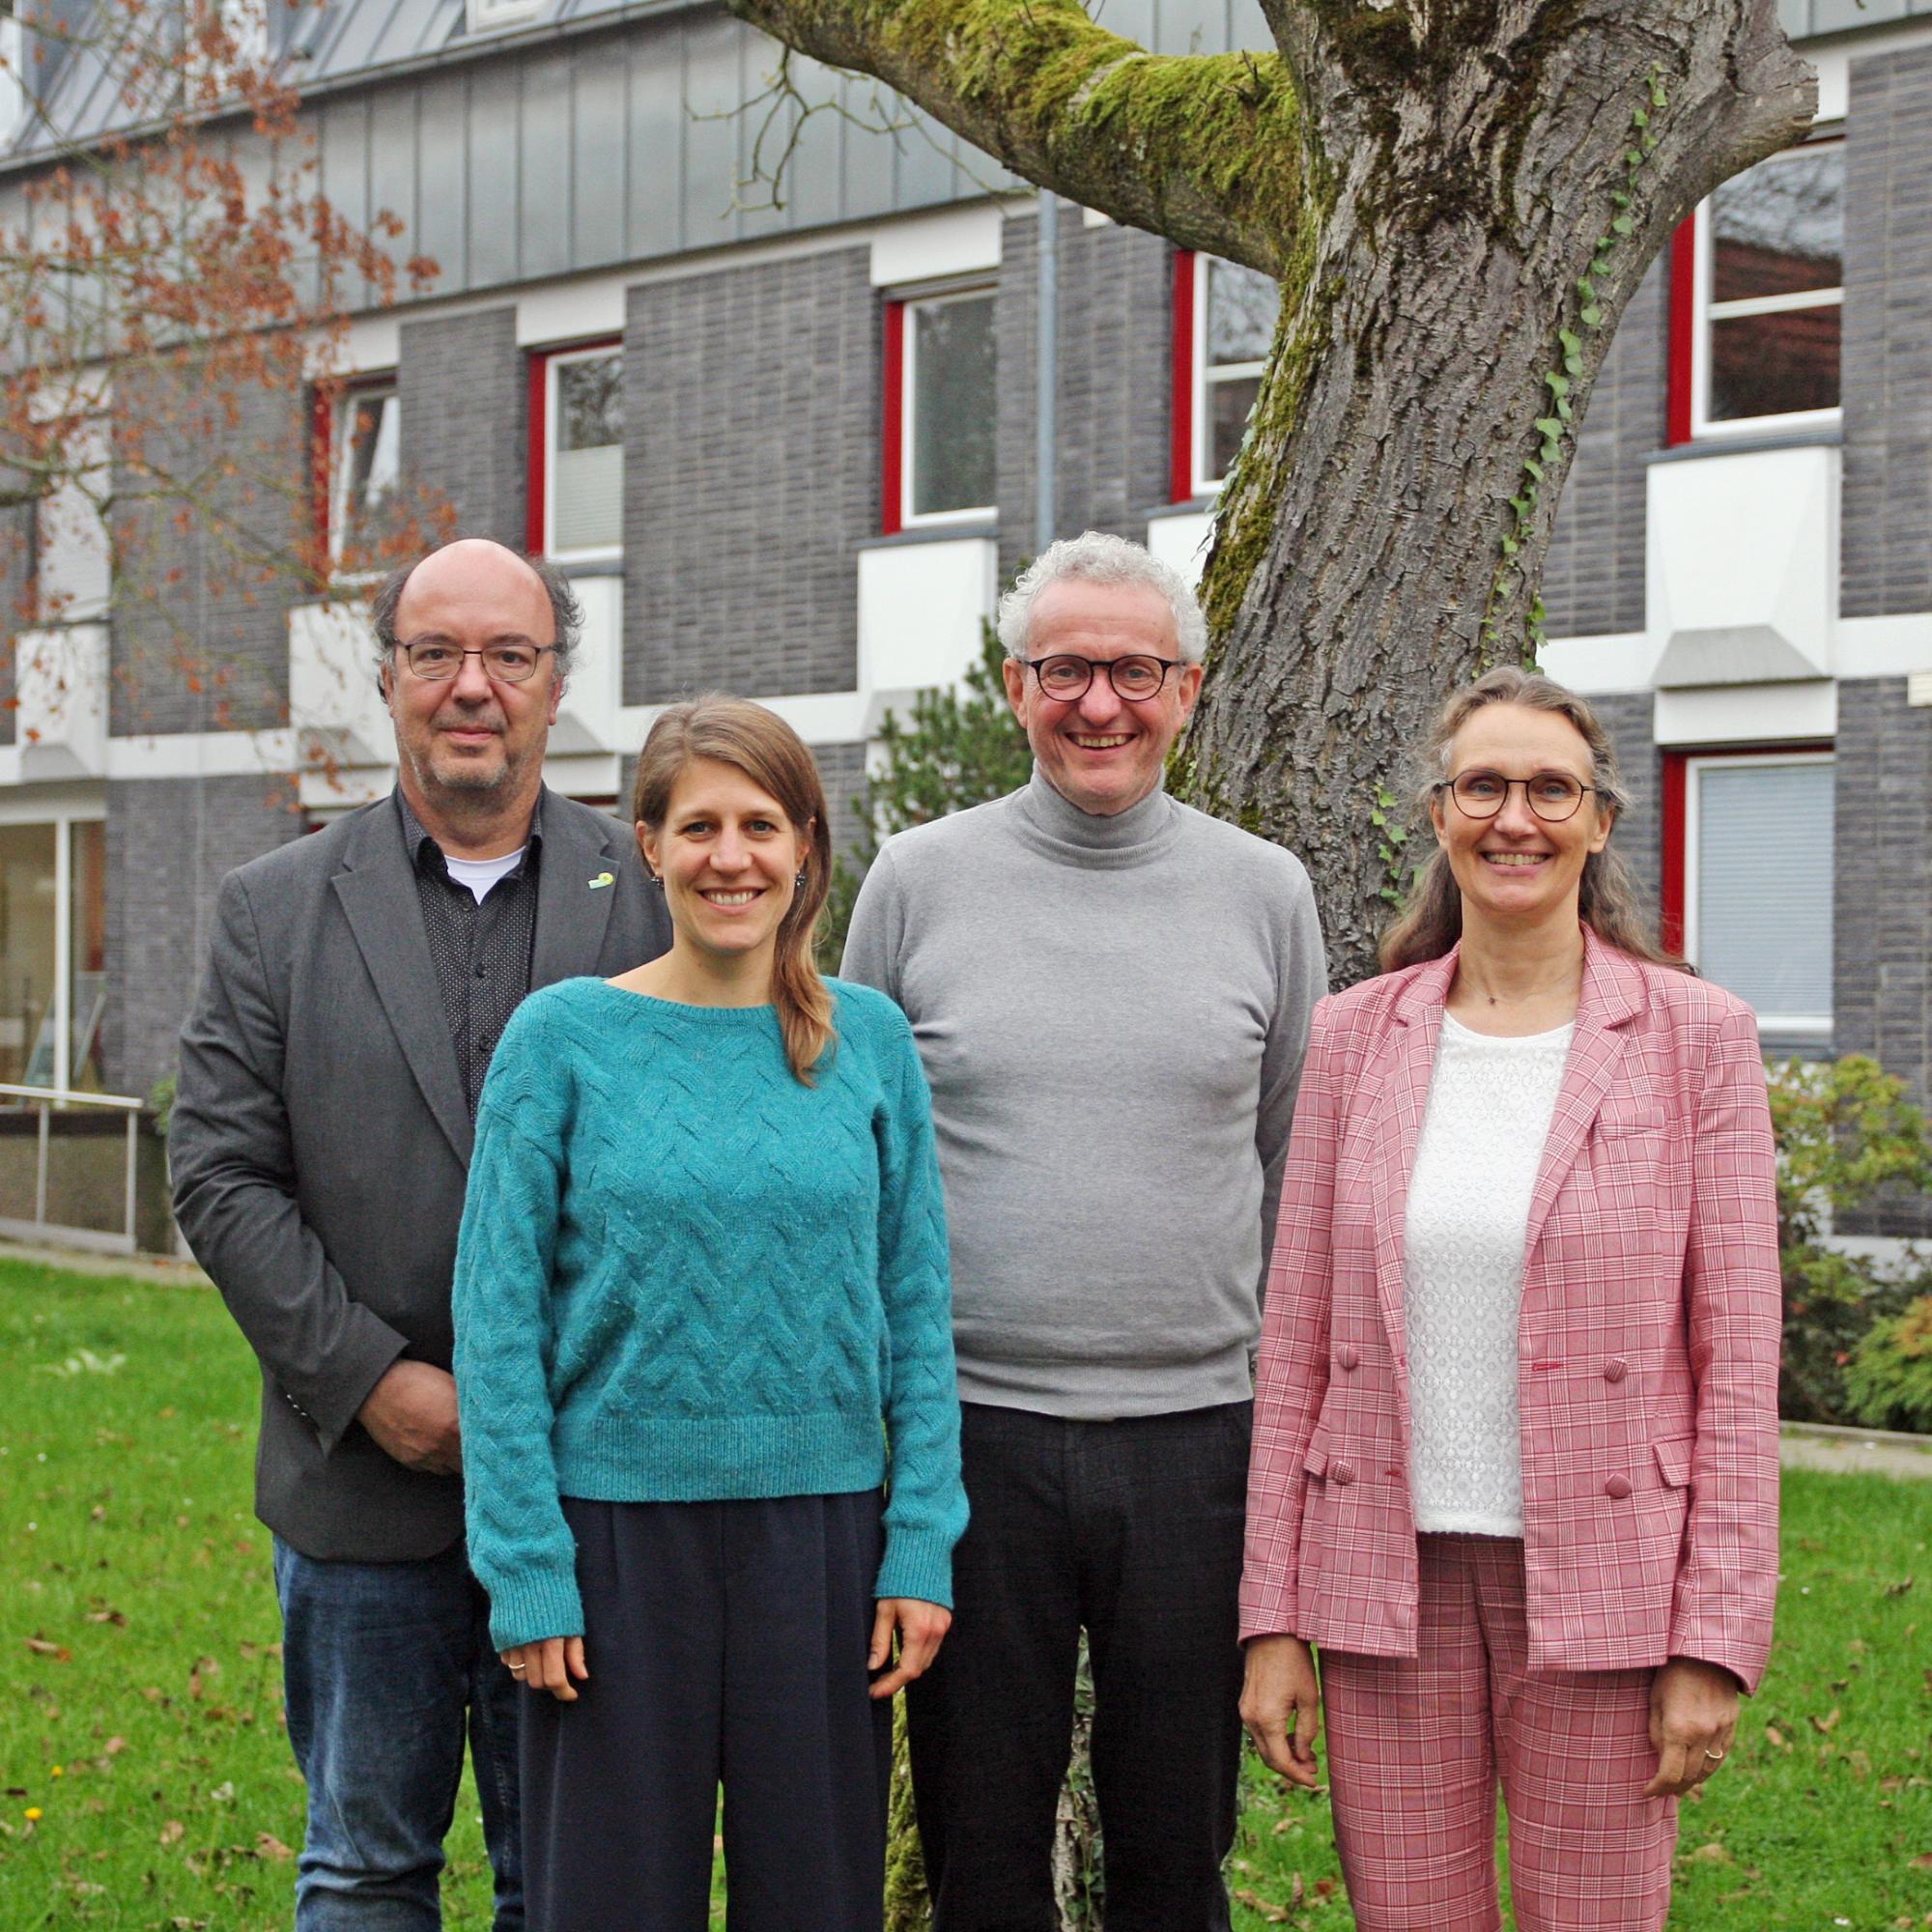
358,981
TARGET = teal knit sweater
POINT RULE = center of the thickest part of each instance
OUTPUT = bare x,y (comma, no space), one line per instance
683,1275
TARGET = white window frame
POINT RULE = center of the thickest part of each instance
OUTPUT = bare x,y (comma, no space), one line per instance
13,79
980,513
1787,1025
1704,312
554,361
1203,437
341,413
489,16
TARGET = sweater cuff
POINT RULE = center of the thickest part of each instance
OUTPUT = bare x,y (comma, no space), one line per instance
537,1605
919,1564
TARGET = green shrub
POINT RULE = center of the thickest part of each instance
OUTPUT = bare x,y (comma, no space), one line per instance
1845,1131
1889,1375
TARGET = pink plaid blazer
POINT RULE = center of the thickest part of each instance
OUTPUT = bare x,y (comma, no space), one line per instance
1648,1344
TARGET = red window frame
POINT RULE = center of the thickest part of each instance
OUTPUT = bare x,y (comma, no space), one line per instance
1674,866
536,484
891,423
1181,445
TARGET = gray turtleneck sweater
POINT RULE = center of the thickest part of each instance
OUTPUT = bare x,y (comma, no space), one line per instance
1110,1013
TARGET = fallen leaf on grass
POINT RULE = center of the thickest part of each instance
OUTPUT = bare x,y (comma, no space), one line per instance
59,1652
1712,1854
118,1618
1775,1737
1261,1908
171,1834
1899,1588
114,1747
1825,1724
268,1846
1922,1862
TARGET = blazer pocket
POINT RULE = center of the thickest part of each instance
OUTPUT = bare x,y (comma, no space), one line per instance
1613,1124
1673,1460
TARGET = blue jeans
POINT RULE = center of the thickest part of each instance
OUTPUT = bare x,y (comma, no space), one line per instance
386,1665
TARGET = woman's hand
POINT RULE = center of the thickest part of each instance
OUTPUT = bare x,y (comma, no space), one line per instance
552,1664
1694,1716
1281,1705
921,1627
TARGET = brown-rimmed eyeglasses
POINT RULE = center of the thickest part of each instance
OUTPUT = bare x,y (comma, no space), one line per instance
1553,796
1136,677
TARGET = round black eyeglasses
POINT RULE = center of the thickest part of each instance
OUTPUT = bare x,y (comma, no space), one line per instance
1553,796
436,663
1064,678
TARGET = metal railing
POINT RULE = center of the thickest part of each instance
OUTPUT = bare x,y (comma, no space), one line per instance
40,1227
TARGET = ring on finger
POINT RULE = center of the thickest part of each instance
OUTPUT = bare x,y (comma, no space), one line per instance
518,1670
1717,1758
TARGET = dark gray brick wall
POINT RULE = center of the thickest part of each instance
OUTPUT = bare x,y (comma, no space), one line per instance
842,769
463,388
170,842
1593,581
209,566
751,410
1882,901
1638,837
1886,545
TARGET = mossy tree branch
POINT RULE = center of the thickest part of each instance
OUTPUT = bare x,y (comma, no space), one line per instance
1203,149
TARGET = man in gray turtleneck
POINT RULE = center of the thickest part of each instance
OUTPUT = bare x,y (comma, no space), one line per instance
1111,995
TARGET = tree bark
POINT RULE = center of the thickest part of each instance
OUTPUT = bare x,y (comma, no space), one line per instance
1460,198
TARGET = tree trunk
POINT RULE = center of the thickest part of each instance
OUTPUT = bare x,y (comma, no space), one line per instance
1493,178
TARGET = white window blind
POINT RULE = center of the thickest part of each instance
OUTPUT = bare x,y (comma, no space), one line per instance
1763,915
586,499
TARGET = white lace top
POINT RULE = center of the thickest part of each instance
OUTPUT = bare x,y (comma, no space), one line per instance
1491,1102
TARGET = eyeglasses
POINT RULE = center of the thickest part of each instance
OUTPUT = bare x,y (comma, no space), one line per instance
1553,796
1066,678
438,663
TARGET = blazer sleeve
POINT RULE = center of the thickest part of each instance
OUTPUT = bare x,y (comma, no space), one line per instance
1728,1577
1292,1376
927,1512
232,1156
520,1544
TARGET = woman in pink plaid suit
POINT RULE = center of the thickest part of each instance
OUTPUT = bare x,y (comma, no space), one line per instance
1515,1468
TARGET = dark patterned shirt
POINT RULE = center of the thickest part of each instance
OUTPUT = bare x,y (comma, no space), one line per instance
481,951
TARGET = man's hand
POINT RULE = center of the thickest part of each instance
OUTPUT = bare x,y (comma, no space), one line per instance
1694,1716
1281,1705
412,1415
921,1627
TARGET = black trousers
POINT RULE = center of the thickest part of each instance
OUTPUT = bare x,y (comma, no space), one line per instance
1133,1530
726,1644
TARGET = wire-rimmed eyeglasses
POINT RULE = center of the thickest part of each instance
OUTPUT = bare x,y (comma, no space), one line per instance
435,662
1064,678
1553,796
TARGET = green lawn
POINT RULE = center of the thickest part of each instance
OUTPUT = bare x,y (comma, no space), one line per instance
140,1698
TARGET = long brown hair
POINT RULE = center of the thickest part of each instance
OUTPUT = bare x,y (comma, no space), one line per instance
1608,901
760,744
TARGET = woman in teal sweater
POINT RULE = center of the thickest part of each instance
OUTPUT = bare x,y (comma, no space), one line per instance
701,1310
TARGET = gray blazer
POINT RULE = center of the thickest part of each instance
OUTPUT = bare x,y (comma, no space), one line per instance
320,1143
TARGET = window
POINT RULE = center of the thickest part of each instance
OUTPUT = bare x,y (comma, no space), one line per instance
1749,878
1759,298
364,433
73,564
483,17
942,365
12,70
577,449
54,980
1234,317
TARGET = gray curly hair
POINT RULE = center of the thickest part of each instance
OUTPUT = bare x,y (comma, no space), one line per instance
1096,556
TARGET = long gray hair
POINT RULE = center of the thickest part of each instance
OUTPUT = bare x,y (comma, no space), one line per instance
1608,901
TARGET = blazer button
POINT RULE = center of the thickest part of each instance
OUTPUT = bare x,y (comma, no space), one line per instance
1341,1474
1348,1356
1618,1487
1615,1368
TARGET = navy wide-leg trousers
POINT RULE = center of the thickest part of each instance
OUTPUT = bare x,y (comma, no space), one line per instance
726,1644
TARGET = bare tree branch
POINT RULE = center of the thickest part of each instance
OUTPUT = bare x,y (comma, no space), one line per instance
1206,149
